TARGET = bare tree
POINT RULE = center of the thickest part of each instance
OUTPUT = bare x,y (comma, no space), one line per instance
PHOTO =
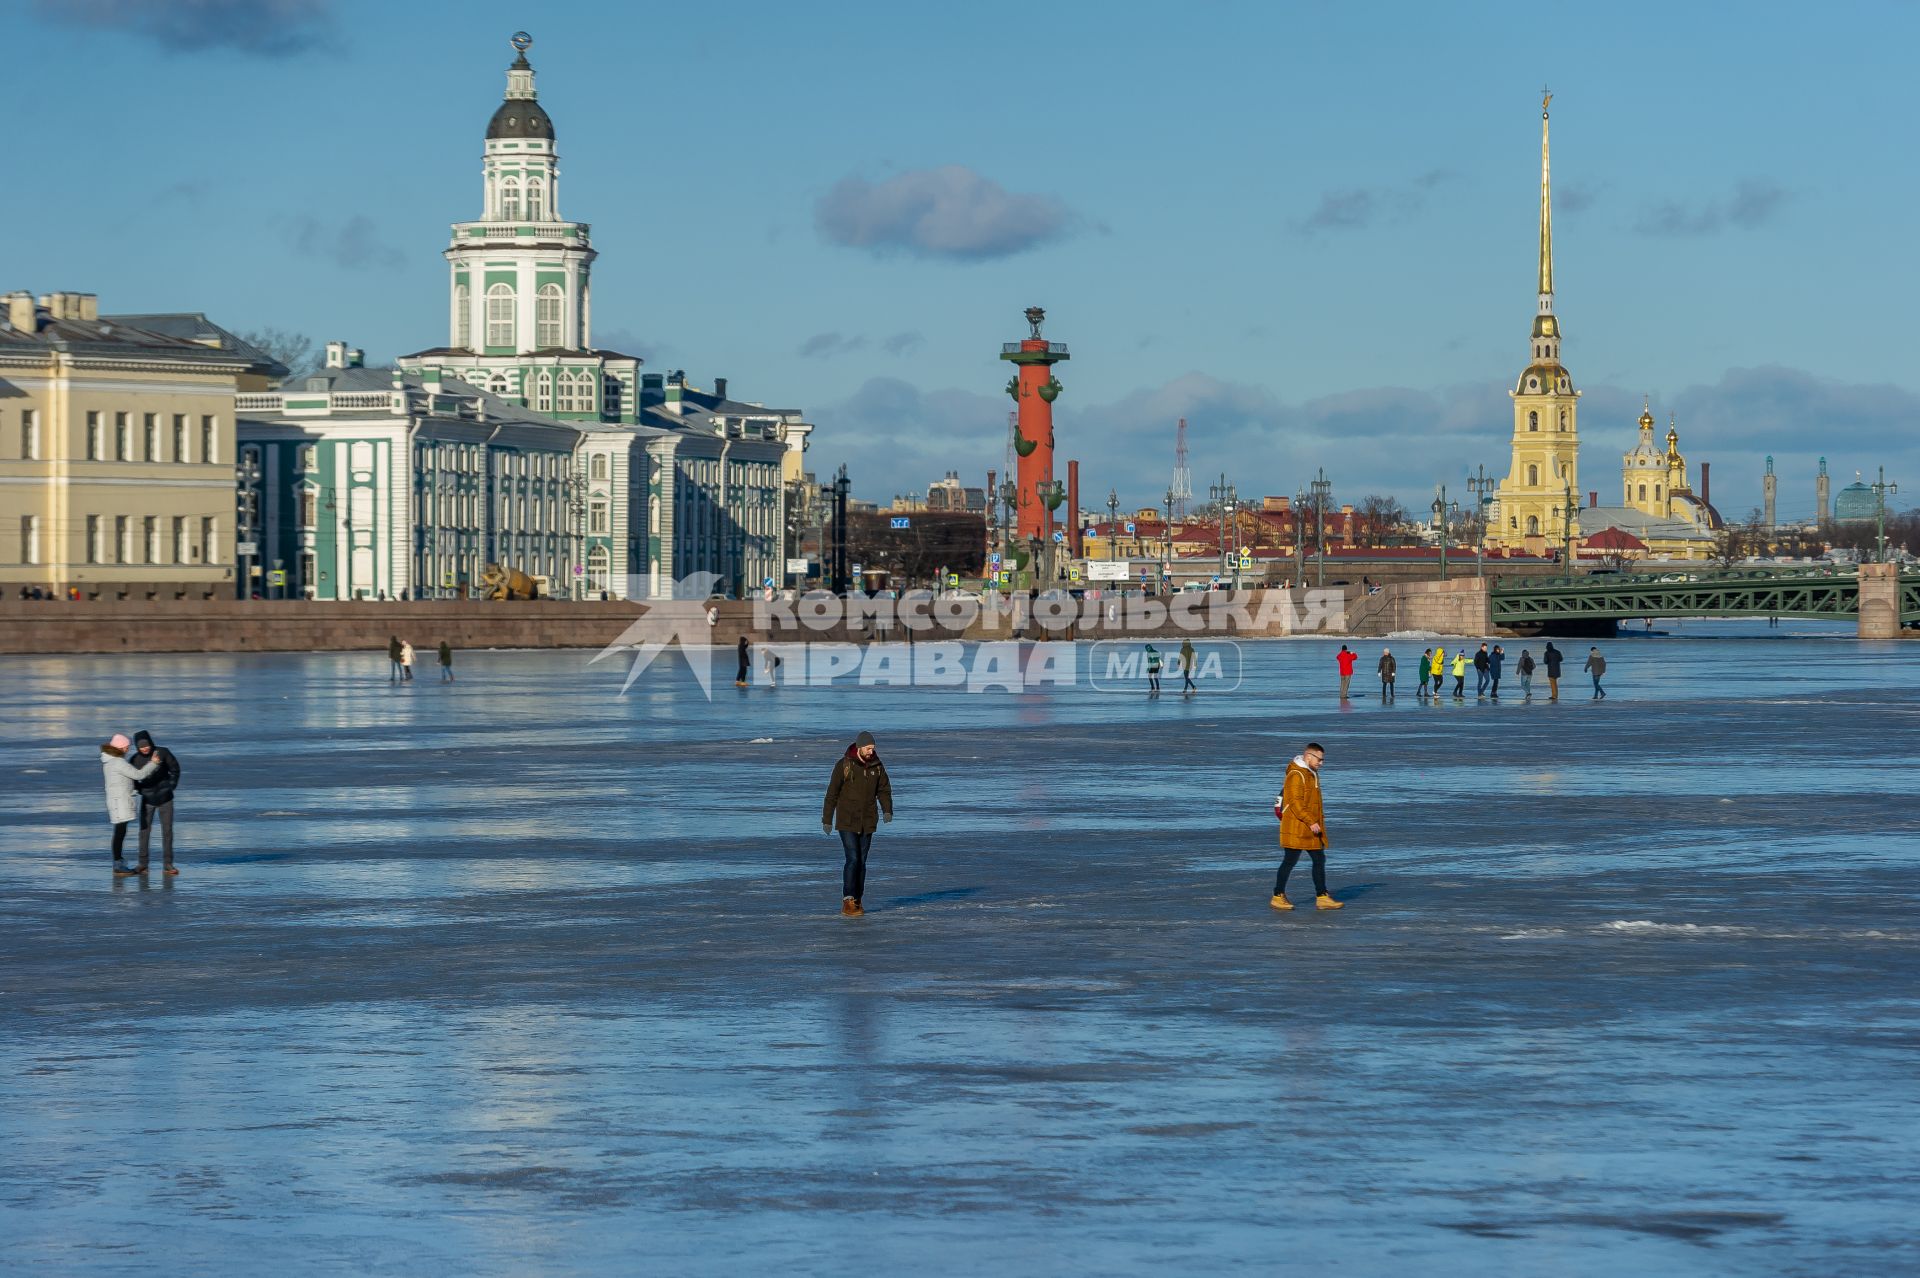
1730,545
1376,518
300,353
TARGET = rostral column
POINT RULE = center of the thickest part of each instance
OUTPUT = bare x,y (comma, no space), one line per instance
1034,388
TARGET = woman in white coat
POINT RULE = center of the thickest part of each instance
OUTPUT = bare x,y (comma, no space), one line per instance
123,805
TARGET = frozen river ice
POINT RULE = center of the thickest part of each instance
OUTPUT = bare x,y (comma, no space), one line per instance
519,975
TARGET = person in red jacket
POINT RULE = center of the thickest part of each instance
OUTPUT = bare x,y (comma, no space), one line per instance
1345,660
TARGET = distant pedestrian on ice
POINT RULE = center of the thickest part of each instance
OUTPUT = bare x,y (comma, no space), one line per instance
1439,671
1526,675
406,662
859,797
1426,673
123,804
1596,666
1387,668
1481,663
1303,828
393,658
746,655
446,662
1186,668
1460,674
1551,660
1153,671
1496,662
1344,660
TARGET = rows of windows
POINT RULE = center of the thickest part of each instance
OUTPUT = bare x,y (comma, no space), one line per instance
549,316
138,539
514,199
119,440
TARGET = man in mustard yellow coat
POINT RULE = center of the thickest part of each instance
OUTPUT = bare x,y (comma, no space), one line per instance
1303,827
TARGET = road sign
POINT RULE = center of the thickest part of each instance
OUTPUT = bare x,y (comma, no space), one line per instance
953,579
1246,559
246,548
1129,528
854,569
278,577
1059,536
254,571
899,521
767,582
1073,574
446,579
1108,570
798,567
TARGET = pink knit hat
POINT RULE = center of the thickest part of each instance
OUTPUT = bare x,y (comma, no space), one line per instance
120,741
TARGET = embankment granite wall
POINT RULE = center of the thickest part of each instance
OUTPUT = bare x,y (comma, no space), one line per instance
58,626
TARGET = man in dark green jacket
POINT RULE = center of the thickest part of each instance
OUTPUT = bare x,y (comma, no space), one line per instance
859,797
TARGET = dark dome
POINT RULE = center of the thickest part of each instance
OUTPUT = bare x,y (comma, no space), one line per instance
520,118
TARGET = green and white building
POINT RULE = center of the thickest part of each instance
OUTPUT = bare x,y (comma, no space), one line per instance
671,480
365,483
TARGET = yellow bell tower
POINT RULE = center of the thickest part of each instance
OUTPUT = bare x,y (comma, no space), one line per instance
1540,498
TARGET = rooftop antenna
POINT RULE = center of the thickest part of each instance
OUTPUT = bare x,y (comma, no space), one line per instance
1182,475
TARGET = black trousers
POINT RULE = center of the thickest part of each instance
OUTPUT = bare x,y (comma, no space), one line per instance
1291,859
149,813
119,838
853,875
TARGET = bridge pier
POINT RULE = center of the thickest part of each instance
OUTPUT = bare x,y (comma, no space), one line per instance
1879,601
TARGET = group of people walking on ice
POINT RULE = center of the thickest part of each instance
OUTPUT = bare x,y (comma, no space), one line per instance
1488,666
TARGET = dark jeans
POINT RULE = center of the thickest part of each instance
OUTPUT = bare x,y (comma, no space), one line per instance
1598,691
853,875
163,812
1459,685
119,838
1480,684
1291,858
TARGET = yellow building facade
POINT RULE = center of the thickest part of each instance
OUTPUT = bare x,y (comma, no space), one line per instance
116,455
1538,502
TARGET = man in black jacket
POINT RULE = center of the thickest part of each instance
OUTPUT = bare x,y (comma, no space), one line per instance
156,798
1551,659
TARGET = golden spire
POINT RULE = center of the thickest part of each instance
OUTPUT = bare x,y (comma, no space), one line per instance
1546,203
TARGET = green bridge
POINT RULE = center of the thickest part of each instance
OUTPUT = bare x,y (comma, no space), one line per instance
1834,595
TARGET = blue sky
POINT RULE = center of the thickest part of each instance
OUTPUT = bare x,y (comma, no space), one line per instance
1308,228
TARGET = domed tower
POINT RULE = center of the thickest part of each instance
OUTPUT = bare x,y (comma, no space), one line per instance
1539,499
520,273
1643,471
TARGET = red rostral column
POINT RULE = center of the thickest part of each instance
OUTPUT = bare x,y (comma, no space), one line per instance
1034,388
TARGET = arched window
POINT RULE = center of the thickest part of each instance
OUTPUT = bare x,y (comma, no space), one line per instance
563,398
1513,521
497,384
1533,476
547,307
543,392
1563,412
1533,421
1643,492
536,202
462,317
1533,525
500,315
510,201
1656,492
597,564
599,468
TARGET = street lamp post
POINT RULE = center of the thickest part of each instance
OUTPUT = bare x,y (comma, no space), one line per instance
1880,491
1166,544
1322,489
1481,485
1300,538
1566,522
1222,494
1113,527
1440,518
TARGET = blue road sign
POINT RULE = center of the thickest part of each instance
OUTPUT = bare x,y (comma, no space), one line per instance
900,521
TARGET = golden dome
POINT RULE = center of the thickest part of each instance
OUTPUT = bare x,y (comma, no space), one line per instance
1543,378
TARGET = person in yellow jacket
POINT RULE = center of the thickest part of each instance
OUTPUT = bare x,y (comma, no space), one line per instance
1460,673
1303,828
1439,671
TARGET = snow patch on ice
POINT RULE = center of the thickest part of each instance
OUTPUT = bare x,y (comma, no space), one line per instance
1647,927
761,741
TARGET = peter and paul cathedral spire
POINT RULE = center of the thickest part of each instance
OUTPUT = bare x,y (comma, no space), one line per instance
1538,503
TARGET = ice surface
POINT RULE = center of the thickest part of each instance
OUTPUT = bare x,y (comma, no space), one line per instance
517,975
